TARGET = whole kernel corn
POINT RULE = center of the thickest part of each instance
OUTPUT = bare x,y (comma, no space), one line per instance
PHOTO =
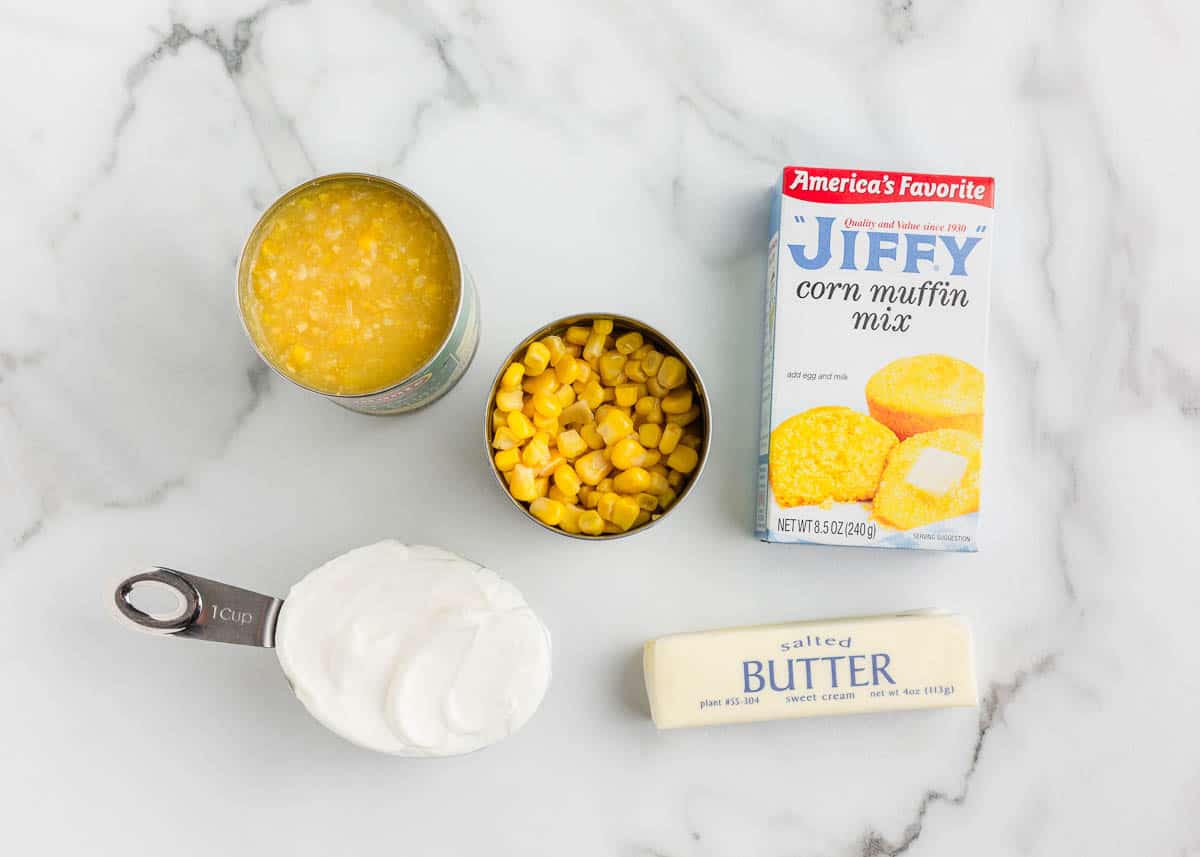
627,343
571,444
593,467
625,512
547,404
683,459
677,401
567,479
591,523
520,425
547,511
556,347
506,459
627,453
635,480
510,400
511,379
537,358
671,434
589,426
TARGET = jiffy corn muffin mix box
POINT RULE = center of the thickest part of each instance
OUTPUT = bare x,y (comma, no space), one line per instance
873,366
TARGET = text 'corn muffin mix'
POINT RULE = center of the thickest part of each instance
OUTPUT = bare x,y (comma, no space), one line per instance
596,430
875,338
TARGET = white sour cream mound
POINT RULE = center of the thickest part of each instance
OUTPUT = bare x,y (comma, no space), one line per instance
412,650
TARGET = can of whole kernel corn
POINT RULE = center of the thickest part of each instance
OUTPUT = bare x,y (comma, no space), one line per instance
350,286
650,335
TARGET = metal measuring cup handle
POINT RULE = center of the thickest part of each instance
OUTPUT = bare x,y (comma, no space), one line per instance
208,610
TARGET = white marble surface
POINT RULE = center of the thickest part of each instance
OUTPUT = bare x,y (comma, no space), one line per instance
591,154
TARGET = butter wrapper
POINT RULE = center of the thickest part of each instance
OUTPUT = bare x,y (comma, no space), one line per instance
922,659
873,362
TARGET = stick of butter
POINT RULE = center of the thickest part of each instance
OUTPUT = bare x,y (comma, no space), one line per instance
921,659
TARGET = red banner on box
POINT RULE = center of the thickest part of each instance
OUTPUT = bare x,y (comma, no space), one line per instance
818,184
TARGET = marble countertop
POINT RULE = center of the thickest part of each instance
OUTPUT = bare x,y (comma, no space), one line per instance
592,155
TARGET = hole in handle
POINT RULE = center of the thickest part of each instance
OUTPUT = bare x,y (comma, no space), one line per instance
154,591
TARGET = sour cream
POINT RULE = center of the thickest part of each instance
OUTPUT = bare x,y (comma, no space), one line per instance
413,650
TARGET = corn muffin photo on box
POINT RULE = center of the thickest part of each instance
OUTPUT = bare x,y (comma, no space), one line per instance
874,348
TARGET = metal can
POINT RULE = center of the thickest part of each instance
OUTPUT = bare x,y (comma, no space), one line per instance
449,362
649,334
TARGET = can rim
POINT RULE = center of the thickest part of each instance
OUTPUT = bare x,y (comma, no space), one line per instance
367,177
633,324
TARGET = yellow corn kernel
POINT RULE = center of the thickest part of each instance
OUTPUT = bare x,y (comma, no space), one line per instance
511,379
566,479
565,395
546,382
611,365
627,395
577,335
541,485
523,486
651,362
611,528
602,326
590,497
671,434
677,401
635,480
656,415
577,413
570,518
627,343
571,444
667,497
605,485
683,459
675,478
537,358
692,440
549,425
645,405
627,453
649,434
593,394
685,418
654,388
658,484
609,394
660,468
634,371
583,371
556,493
510,400
520,425
507,459
548,511
625,512
499,418
593,467
614,426
553,464
647,501
547,404
642,351
591,523
504,438
567,369
672,372
608,502
536,453
653,456
594,347
527,408
556,347
591,436
642,518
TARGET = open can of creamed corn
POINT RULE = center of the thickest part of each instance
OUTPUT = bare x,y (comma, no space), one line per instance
350,286
696,421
